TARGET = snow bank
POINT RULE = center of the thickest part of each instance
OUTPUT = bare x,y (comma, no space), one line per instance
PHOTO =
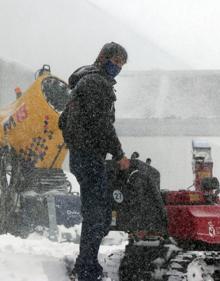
32,260
38,259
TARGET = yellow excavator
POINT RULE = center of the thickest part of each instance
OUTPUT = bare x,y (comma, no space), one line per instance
34,190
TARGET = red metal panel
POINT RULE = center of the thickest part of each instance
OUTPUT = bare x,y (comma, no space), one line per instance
199,223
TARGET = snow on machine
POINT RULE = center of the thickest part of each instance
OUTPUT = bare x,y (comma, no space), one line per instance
173,235
34,191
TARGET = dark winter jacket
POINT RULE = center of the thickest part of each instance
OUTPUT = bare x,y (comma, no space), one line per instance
90,114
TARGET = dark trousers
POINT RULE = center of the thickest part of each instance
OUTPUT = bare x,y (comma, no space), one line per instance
90,171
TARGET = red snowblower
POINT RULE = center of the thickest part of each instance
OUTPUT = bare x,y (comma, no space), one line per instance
173,235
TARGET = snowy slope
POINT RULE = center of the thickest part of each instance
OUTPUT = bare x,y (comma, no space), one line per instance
168,94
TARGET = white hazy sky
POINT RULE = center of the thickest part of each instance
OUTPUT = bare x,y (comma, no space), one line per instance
167,34
188,29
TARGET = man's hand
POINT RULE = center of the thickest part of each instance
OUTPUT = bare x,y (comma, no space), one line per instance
124,163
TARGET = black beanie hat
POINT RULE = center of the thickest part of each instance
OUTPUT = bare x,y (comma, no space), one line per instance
110,50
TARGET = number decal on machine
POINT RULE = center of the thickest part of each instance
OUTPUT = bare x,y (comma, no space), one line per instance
118,196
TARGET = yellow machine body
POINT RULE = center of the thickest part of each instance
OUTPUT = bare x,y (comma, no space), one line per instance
30,126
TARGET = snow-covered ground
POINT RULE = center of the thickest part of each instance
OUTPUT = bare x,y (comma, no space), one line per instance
39,259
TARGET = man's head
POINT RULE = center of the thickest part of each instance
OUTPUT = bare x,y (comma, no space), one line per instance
111,58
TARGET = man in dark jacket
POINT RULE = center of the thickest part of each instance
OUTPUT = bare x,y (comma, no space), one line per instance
90,136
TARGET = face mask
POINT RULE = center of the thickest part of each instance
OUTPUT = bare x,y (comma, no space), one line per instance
112,69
